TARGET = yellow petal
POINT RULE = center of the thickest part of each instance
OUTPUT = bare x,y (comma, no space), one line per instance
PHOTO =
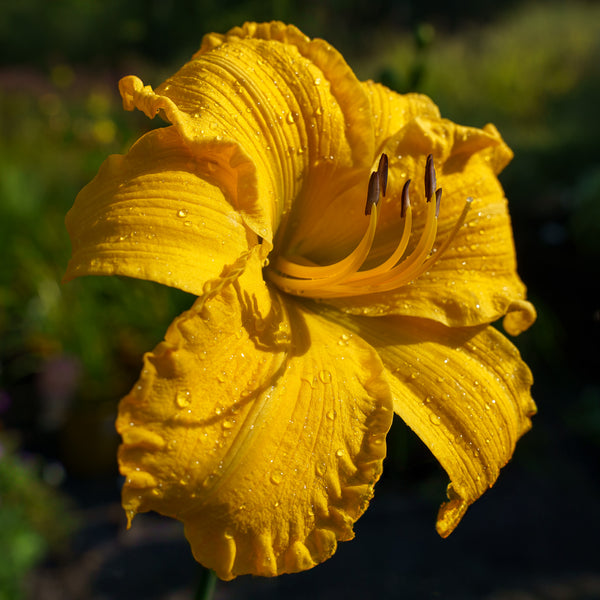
392,111
475,281
267,107
464,391
261,427
155,214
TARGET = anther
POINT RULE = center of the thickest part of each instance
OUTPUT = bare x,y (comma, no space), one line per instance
405,200
377,184
382,172
430,179
438,201
373,192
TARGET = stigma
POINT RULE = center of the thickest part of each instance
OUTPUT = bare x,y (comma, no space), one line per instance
349,277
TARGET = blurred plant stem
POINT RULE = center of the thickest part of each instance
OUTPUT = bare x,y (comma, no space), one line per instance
206,585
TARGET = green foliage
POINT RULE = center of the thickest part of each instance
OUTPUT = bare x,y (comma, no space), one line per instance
52,142
33,518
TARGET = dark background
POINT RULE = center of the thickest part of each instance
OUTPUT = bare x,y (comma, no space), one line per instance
68,353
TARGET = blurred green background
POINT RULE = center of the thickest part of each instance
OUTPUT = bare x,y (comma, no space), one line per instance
69,352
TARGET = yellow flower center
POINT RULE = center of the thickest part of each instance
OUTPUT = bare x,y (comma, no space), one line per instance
345,277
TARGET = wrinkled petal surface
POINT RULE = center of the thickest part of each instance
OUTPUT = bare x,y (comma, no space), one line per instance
155,214
464,391
259,426
271,109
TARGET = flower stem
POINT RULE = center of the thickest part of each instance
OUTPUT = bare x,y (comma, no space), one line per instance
206,585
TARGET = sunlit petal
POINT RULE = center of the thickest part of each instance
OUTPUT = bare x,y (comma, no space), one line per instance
392,111
261,426
464,391
155,214
269,108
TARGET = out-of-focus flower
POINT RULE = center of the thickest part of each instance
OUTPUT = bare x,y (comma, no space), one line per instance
260,420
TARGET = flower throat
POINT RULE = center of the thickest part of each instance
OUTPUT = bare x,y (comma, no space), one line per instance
345,277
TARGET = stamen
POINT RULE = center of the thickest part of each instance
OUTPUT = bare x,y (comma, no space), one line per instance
430,180
303,278
382,172
344,278
438,201
405,199
373,192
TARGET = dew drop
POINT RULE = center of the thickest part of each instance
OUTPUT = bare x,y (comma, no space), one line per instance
182,212
183,398
339,453
276,477
321,469
290,118
344,339
435,419
331,415
325,376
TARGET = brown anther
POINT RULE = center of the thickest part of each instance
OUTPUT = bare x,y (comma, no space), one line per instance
430,179
373,192
377,183
382,172
405,200
438,201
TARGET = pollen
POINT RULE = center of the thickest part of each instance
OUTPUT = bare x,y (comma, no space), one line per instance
348,277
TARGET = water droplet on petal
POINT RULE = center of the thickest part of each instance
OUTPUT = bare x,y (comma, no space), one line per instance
435,419
321,469
331,415
182,212
325,376
183,398
276,477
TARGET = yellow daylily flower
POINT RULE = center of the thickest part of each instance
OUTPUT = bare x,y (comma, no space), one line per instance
331,294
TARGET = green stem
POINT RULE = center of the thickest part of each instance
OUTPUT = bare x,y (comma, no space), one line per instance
206,585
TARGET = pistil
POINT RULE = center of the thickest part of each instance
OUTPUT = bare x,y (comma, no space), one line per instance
345,277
